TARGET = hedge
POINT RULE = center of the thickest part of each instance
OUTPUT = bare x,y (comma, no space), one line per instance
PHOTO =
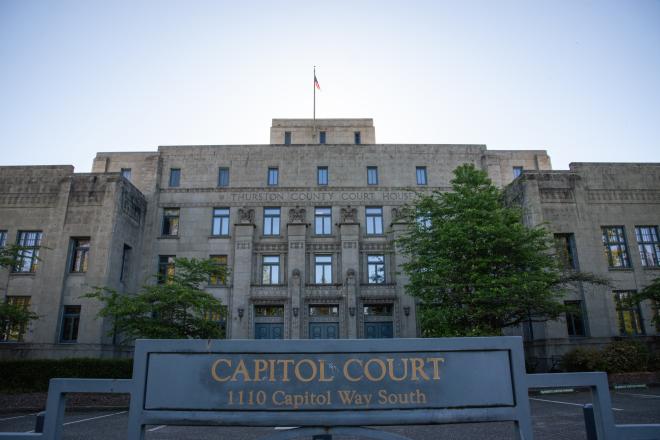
23,376
623,356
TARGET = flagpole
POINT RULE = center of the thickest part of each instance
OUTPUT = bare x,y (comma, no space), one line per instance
314,114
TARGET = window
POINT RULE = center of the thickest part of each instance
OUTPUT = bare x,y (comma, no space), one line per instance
171,221
323,269
125,263
3,239
322,175
323,221
270,272
372,175
218,315
377,310
565,248
322,137
421,175
375,269
271,221
574,318
517,171
423,221
287,138
648,244
269,311
374,221
272,176
616,250
70,323
14,332
175,177
357,137
323,310
221,279
79,255
165,268
126,173
28,256
220,221
628,314
223,176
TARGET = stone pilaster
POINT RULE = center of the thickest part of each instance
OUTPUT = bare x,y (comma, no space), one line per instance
296,232
407,303
242,274
349,231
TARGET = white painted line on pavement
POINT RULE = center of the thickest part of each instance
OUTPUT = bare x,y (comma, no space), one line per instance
648,396
18,417
567,403
94,418
284,428
156,428
89,419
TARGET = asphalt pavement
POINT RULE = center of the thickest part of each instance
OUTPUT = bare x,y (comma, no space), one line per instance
555,416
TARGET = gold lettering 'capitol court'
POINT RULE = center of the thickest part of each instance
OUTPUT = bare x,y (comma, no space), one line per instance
303,382
320,370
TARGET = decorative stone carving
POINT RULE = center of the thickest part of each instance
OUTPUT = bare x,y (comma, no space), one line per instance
295,273
246,215
297,215
350,274
348,215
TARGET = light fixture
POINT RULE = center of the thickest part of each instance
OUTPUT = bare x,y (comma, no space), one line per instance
295,311
406,310
241,311
351,311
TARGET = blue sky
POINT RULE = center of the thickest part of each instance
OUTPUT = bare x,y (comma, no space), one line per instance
578,78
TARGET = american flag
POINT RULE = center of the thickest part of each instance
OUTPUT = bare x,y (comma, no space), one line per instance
316,83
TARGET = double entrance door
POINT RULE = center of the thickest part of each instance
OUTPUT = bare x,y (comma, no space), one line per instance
323,330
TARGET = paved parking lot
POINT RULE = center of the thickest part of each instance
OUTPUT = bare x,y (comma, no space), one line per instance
555,416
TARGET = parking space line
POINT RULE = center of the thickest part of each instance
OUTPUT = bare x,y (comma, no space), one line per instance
18,417
567,403
646,396
89,419
156,428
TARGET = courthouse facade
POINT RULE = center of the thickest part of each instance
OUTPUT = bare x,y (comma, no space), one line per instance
306,226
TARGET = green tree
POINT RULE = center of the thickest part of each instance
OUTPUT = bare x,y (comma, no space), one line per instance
14,318
175,308
473,264
651,293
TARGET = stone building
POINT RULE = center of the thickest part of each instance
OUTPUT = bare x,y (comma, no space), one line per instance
305,224
604,217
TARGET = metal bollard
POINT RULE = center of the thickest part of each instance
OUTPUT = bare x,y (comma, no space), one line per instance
590,421
39,422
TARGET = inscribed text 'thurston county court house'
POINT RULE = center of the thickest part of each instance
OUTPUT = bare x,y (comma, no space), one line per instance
306,226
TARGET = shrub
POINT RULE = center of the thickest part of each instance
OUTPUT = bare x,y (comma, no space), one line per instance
654,361
626,356
583,359
33,375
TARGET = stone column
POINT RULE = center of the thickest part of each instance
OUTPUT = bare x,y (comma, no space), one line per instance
296,232
349,231
242,274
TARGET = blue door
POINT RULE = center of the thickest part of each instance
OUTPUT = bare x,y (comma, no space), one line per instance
378,330
268,330
323,330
